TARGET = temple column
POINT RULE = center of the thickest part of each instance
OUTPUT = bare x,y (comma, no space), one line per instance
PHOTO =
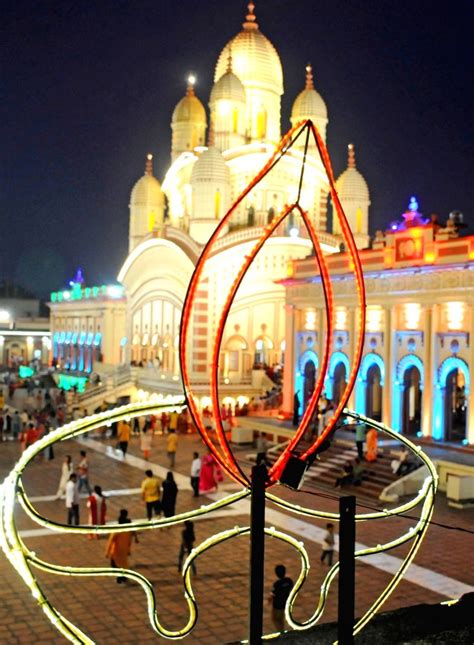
290,360
351,331
427,395
470,404
390,358
436,403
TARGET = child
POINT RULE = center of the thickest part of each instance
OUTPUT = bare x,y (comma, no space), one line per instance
280,592
187,541
328,544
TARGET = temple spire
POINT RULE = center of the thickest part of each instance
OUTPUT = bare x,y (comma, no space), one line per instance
210,135
351,161
149,164
250,18
309,77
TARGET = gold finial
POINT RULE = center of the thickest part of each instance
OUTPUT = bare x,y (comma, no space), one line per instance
351,160
250,18
309,77
191,84
229,60
149,164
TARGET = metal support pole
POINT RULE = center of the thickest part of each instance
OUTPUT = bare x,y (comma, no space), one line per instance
346,595
257,553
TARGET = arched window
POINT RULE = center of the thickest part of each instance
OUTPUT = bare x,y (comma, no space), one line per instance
262,123
251,216
270,215
217,203
235,120
234,348
263,345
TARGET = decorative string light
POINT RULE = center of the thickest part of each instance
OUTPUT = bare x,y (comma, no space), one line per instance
12,489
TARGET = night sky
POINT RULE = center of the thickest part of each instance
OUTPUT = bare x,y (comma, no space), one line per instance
87,88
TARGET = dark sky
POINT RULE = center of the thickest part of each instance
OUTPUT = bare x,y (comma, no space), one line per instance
87,88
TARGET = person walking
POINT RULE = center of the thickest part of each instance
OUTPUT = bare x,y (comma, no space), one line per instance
168,499
72,500
151,494
261,445
174,416
67,469
146,438
281,590
187,543
16,425
124,432
195,472
83,472
359,439
210,474
119,546
97,510
296,409
328,545
171,446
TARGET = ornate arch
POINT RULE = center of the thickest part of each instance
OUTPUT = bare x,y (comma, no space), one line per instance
367,362
236,342
308,355
336,358
407,361
361,383
449,364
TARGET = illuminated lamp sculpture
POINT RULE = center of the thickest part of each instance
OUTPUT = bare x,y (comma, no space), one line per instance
289,466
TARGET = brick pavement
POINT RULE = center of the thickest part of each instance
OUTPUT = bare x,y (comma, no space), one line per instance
108,612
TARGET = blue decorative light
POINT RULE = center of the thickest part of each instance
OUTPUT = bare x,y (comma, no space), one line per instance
413,205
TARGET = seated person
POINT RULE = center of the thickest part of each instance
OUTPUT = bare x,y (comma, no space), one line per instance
358,472
347,476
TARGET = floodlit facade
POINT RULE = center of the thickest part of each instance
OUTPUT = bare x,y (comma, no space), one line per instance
418,353
24,329
215,153
212,161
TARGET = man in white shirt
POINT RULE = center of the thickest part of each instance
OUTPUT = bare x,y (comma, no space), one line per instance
195,472
72,500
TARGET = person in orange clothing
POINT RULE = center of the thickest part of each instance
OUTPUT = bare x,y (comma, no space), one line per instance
371,442
119,546
124,432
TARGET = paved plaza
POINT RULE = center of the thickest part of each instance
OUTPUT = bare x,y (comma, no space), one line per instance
109,613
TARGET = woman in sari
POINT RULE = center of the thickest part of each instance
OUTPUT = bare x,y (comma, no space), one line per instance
371,443
97,509
119,546
210,474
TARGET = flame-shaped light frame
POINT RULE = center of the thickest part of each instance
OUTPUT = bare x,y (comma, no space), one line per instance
12,489
225,456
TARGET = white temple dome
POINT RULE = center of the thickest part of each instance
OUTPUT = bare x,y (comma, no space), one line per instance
228,87
189,109
309,104
254,59
210,166
351,184
147,189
